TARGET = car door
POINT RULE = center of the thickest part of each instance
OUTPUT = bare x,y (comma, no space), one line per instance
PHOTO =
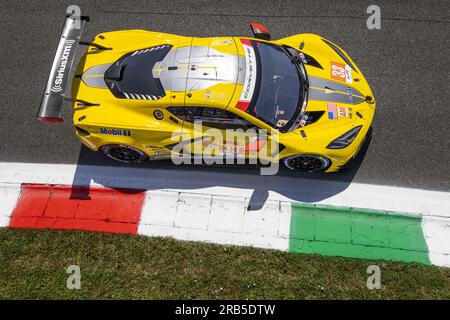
215,134
163,129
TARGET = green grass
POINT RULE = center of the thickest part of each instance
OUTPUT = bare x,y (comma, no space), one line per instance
33,265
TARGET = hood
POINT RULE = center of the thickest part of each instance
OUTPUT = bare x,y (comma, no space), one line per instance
337,86
339,101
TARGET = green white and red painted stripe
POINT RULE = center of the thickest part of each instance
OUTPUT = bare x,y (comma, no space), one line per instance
333,227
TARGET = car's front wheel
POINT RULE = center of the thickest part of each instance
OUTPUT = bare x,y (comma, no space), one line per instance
124,153
307,163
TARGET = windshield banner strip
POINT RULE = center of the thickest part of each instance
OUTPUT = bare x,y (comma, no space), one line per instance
250,76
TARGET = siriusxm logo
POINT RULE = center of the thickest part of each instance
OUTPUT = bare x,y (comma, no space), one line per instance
115,132
58,81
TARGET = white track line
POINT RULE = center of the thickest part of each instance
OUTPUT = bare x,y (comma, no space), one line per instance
8,199
215,219
436,232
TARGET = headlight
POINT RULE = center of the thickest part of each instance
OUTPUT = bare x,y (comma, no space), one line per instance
344,140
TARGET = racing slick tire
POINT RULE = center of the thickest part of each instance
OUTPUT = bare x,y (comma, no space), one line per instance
124,153
307,163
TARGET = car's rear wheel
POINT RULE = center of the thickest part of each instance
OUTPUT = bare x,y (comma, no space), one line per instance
124,153
307,163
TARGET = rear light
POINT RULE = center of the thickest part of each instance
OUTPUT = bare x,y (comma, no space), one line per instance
48,120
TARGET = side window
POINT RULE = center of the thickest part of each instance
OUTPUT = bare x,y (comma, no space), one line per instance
211,117
184,113
180,112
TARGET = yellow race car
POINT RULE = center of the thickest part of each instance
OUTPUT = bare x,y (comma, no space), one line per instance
141,94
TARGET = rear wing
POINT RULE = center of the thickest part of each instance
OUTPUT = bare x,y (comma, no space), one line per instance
55,90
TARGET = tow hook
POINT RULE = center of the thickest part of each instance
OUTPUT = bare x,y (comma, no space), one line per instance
369,99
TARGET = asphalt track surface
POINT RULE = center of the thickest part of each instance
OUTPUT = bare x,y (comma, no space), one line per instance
406,64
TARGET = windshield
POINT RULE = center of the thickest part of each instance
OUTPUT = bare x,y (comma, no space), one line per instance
281,88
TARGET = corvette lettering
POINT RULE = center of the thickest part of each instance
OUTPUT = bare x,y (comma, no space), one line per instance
248,87
62,66
250,76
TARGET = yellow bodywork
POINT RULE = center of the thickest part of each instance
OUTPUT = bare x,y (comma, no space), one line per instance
139,128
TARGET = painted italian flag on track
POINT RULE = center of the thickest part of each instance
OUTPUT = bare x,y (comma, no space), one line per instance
213,217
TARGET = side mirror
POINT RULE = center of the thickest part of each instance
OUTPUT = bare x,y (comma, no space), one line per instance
259,31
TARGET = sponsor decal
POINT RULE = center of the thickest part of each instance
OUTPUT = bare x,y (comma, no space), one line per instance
256,144
115,132
222,43
215,95
281,123
341,72
335,112
235,148
303,120
230,148
343,112
158,152
348,74
161,154
57,82
151,148
250,76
